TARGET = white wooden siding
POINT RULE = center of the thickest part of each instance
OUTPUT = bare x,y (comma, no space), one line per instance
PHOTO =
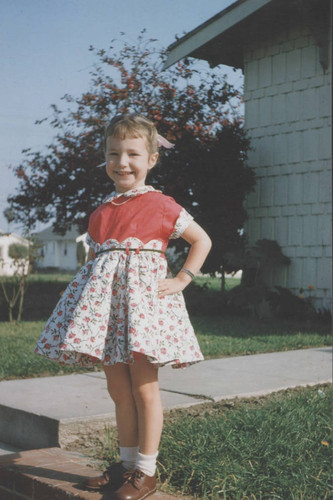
288,116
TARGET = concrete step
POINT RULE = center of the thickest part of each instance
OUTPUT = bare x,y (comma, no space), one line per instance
55,411
51,474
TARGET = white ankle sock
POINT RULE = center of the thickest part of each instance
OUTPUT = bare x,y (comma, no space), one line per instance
128,456
146,463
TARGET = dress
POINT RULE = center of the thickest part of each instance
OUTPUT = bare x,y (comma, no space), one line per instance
111,308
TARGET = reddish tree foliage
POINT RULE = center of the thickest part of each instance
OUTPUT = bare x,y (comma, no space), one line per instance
205,172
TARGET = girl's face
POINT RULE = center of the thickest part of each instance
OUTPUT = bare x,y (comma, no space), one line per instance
128,162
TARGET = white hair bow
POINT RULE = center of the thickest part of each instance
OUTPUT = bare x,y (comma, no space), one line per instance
164,142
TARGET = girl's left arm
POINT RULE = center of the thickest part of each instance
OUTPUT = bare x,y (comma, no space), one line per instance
200,247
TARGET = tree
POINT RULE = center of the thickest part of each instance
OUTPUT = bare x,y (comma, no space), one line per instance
15,286
9,215
195,109
17,251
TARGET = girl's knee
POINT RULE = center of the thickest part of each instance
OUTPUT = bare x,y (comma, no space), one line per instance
118,383
119,393
146,395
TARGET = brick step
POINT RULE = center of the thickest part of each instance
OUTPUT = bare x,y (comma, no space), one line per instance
50,474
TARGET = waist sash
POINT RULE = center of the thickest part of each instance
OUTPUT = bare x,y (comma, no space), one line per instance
127,250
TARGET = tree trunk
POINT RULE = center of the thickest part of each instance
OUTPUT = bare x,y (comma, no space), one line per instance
20,308
222,280
10,313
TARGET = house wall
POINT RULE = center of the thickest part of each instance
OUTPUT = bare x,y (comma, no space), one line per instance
8,266
67,255
48,252
288,116
60,254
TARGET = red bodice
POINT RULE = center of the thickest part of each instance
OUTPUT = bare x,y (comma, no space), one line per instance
148,216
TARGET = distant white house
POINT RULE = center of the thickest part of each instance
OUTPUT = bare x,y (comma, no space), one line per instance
284,49
8,265
57,251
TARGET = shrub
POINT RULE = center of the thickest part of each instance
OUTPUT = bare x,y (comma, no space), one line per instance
261,301
17,251
40,300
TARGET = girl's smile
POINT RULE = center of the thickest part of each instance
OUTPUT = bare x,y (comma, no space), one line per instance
128,162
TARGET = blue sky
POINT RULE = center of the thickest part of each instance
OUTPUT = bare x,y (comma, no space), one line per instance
44,55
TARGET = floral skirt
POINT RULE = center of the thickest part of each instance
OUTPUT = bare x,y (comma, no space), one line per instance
111,310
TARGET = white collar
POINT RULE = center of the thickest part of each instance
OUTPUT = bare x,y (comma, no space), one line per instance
130,194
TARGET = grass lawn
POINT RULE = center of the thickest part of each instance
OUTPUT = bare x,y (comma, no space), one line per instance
274,447
230,336
59,277
214,284
17,359
218,337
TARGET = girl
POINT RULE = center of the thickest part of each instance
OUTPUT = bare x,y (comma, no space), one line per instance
122,310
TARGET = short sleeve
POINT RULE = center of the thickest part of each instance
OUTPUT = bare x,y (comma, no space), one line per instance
175,219
183,221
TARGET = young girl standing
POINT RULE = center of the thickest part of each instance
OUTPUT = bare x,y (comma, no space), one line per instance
122,310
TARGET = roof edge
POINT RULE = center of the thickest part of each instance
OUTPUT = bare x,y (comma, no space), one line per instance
210,29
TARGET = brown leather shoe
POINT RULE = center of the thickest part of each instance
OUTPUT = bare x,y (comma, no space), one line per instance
136,487
112,478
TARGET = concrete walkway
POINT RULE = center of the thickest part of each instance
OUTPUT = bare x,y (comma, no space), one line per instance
53,411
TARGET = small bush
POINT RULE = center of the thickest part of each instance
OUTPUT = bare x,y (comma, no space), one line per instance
17,251
40,299
202,300
261,301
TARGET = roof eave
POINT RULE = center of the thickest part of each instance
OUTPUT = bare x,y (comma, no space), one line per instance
193,43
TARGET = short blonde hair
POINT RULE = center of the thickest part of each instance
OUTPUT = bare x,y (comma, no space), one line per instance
133,125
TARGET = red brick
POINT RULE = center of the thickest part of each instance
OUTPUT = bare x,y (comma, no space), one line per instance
50,474
5,495
23,484
6,459
45,491
7,478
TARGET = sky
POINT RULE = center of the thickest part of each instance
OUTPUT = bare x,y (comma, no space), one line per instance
44,54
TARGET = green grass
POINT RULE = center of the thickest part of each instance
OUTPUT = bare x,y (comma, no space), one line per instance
214,284
41,277
276,447
230,336
58,277
218,337
17,357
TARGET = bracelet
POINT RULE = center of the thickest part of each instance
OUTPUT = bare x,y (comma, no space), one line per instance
188,272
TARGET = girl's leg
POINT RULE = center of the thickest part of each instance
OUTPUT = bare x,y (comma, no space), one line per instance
145,389
120,389
140,421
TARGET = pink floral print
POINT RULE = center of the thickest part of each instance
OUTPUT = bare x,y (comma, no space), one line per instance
111,309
